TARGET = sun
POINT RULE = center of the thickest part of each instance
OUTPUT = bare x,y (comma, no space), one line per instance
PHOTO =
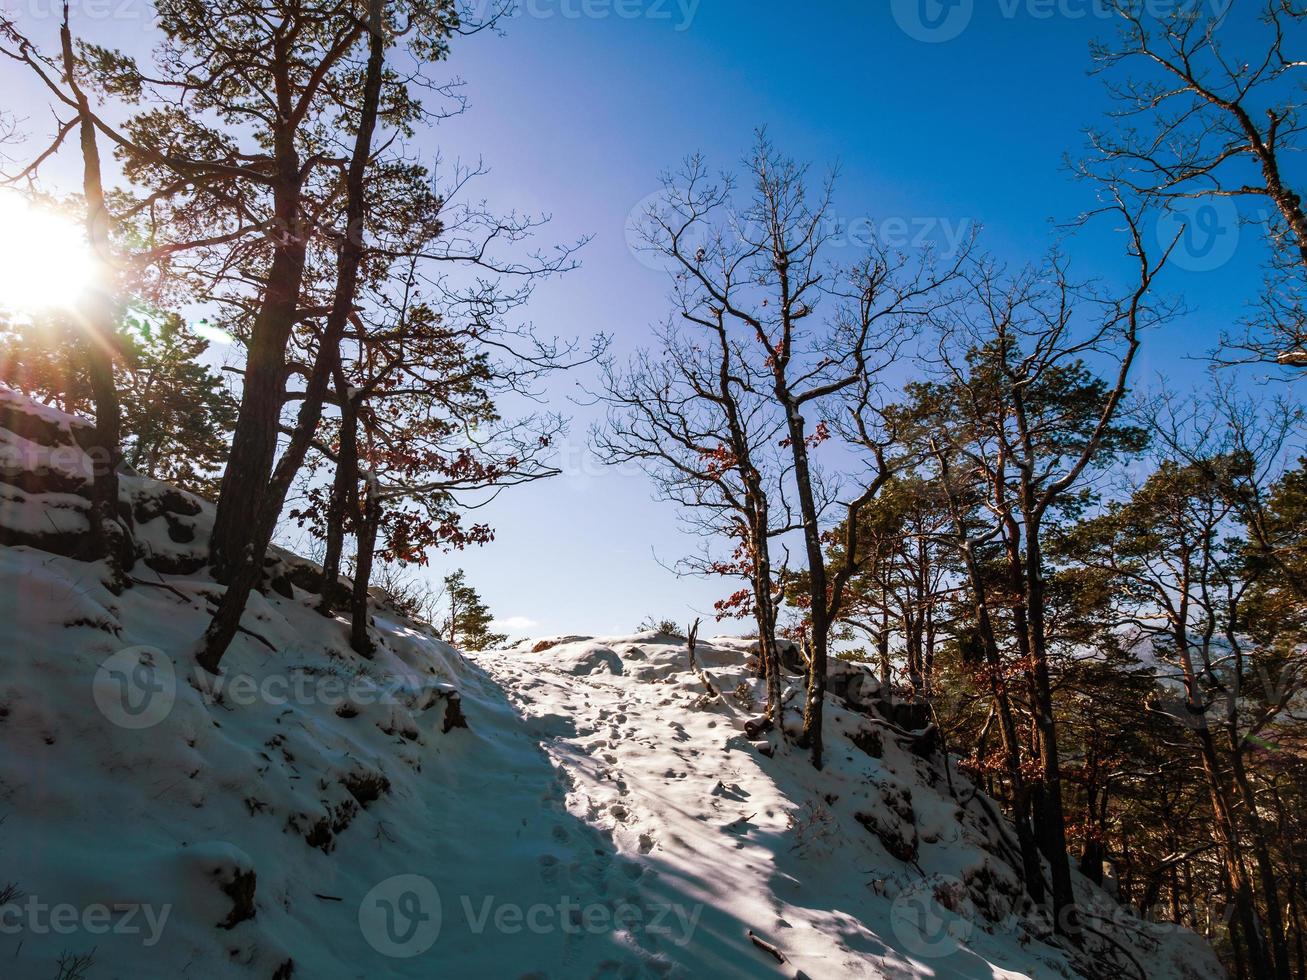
45,261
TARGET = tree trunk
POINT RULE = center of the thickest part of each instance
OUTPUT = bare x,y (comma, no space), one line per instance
1228,838
1266,871
912,642
1224,829
227,619
882,650
367,542
813,712
766,614
1032,869
245,481
1296,916
1053,821
99,317
344,494
1091,858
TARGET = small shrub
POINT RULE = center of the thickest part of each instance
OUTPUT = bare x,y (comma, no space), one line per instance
743,696
668,627
74,966
366,787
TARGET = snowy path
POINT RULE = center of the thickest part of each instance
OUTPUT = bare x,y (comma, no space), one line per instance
660,769
677,795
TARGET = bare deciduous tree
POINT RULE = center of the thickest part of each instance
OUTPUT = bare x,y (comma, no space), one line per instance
689,418
758,275
1202,118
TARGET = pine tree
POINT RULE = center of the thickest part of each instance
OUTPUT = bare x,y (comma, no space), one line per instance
468,622
43,359
176,413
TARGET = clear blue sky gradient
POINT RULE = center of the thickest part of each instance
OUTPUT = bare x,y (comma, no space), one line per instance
582,103
578,115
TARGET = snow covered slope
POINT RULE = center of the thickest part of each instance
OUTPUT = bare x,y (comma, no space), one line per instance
578,807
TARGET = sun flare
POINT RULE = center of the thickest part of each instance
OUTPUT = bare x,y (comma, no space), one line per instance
45,261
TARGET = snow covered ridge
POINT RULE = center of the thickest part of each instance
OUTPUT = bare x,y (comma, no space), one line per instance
571,807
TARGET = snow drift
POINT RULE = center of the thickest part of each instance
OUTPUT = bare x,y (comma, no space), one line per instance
571,807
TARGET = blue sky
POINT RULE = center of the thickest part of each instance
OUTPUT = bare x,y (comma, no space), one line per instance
579,114
941,117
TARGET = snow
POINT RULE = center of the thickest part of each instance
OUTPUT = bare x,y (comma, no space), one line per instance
313,814
16,401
